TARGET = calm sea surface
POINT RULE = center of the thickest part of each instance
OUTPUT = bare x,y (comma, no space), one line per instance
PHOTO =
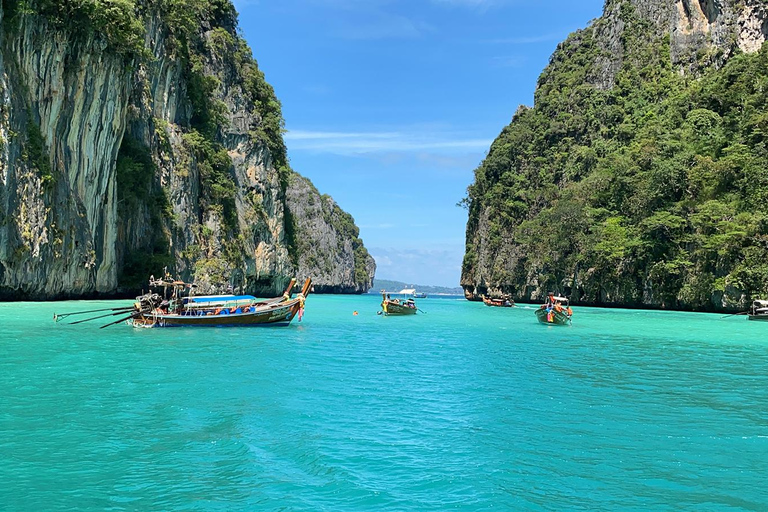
465,407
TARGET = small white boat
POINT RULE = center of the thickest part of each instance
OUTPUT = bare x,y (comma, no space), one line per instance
758,310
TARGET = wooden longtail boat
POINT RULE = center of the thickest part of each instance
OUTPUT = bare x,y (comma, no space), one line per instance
397,306
758,310
501,303
555,311
219,310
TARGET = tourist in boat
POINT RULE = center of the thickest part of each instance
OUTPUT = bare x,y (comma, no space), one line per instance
555,310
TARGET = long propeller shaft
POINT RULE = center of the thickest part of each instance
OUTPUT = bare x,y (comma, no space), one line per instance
122,312
133,315
56,317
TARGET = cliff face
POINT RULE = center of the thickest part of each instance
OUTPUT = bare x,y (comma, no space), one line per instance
147,140
62,122
701,32
327,240
636,177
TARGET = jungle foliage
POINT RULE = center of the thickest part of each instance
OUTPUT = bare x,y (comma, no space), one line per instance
654,190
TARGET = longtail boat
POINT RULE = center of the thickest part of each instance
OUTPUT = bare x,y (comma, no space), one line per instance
758,310
504,302
151,310
391,306
555,311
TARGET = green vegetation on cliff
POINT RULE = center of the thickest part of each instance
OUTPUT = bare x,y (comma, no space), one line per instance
651,191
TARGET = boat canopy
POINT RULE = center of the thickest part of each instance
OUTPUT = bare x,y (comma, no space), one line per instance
214,300
407,291
217,298
760,303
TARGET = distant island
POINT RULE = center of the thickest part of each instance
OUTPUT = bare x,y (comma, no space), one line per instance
394,286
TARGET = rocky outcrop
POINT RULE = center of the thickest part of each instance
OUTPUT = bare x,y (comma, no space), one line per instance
118,162
599,191
64,114
327,243
701,32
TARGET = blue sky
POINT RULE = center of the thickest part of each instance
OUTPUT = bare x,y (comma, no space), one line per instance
390,105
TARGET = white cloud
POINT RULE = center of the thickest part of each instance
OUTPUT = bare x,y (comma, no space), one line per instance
312,135
351,143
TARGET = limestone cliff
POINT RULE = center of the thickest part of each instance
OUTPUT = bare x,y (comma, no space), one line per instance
326,240
137,135
636,179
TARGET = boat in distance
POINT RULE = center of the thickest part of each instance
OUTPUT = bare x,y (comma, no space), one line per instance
500,302
555,311
758,310
151,310
391,306
411,292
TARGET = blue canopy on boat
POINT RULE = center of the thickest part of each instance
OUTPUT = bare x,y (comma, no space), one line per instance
220,298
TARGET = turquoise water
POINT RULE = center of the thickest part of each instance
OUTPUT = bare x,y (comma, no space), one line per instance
465,407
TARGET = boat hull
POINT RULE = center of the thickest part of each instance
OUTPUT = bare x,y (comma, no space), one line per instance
759,318
397,309
274,315
498,303
557,318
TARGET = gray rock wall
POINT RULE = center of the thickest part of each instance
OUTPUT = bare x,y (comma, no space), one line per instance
327,243
64,106
68,104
